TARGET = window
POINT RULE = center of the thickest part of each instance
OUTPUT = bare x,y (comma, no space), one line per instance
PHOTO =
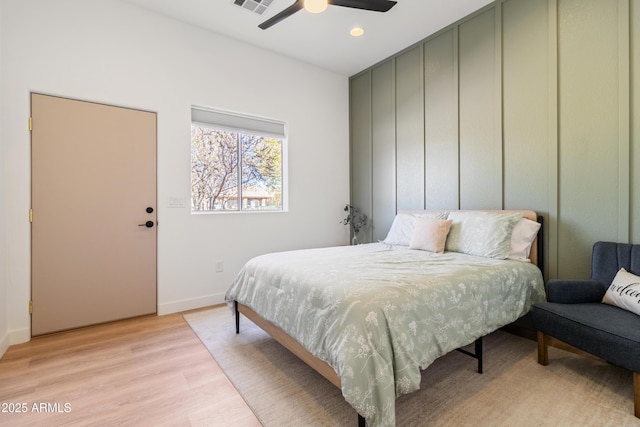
237,162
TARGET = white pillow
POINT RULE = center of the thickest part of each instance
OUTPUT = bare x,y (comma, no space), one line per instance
624,292
430,234
522,237
485,234
403,226
401,230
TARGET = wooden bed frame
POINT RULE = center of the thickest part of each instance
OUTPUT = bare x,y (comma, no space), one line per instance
322,367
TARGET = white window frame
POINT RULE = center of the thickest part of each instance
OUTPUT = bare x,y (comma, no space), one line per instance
236,122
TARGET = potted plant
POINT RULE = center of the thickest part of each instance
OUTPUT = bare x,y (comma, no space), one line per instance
356,219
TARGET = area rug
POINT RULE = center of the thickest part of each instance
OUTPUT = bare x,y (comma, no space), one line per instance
514,389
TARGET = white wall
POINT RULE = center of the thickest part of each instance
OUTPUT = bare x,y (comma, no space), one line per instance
4,336
115,53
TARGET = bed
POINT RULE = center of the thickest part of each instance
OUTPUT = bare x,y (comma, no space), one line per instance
369,317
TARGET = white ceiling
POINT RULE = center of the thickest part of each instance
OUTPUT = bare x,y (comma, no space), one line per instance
322,39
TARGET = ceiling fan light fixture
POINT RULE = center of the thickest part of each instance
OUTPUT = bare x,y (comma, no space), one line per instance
315,6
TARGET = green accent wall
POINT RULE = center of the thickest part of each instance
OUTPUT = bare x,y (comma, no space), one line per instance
525,104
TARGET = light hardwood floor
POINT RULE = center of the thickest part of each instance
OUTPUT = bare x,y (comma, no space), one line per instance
148,371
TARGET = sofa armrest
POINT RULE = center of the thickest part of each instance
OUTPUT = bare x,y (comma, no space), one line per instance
575,291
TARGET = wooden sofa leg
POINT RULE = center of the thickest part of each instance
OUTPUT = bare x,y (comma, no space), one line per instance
636,394
543,349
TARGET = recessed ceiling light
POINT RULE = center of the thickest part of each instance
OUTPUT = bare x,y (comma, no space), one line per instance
356,31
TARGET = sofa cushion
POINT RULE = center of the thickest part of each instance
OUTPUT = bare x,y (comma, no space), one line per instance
575,291
600,329
609,257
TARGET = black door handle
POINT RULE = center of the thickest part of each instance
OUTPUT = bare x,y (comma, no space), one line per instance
147,224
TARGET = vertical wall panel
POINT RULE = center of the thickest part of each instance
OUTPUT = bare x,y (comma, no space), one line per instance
410,130
624,143
525,104
441,122
384,150
588,109
480,144
550,229
360,116
634,189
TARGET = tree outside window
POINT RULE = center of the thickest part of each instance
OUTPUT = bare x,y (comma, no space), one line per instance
235,170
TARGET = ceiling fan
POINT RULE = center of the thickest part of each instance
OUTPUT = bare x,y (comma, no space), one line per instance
320,5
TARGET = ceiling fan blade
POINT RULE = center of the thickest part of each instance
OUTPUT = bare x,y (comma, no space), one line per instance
375,5
282,15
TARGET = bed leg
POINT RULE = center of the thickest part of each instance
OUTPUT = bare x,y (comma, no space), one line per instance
476,355
361,421
235,304
479,354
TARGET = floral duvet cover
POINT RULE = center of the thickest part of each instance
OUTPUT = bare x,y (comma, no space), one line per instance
378,314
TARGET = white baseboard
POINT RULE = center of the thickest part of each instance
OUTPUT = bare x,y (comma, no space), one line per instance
17,336
4,345
190,304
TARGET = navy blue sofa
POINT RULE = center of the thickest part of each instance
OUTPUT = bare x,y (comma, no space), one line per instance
574,314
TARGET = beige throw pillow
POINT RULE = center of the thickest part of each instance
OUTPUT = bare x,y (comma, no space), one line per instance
430,234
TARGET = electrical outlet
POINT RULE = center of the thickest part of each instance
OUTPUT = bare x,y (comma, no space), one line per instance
219,266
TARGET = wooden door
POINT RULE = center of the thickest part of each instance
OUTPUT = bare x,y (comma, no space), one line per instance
93,231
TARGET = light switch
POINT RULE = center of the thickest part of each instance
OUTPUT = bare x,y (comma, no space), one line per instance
176,202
